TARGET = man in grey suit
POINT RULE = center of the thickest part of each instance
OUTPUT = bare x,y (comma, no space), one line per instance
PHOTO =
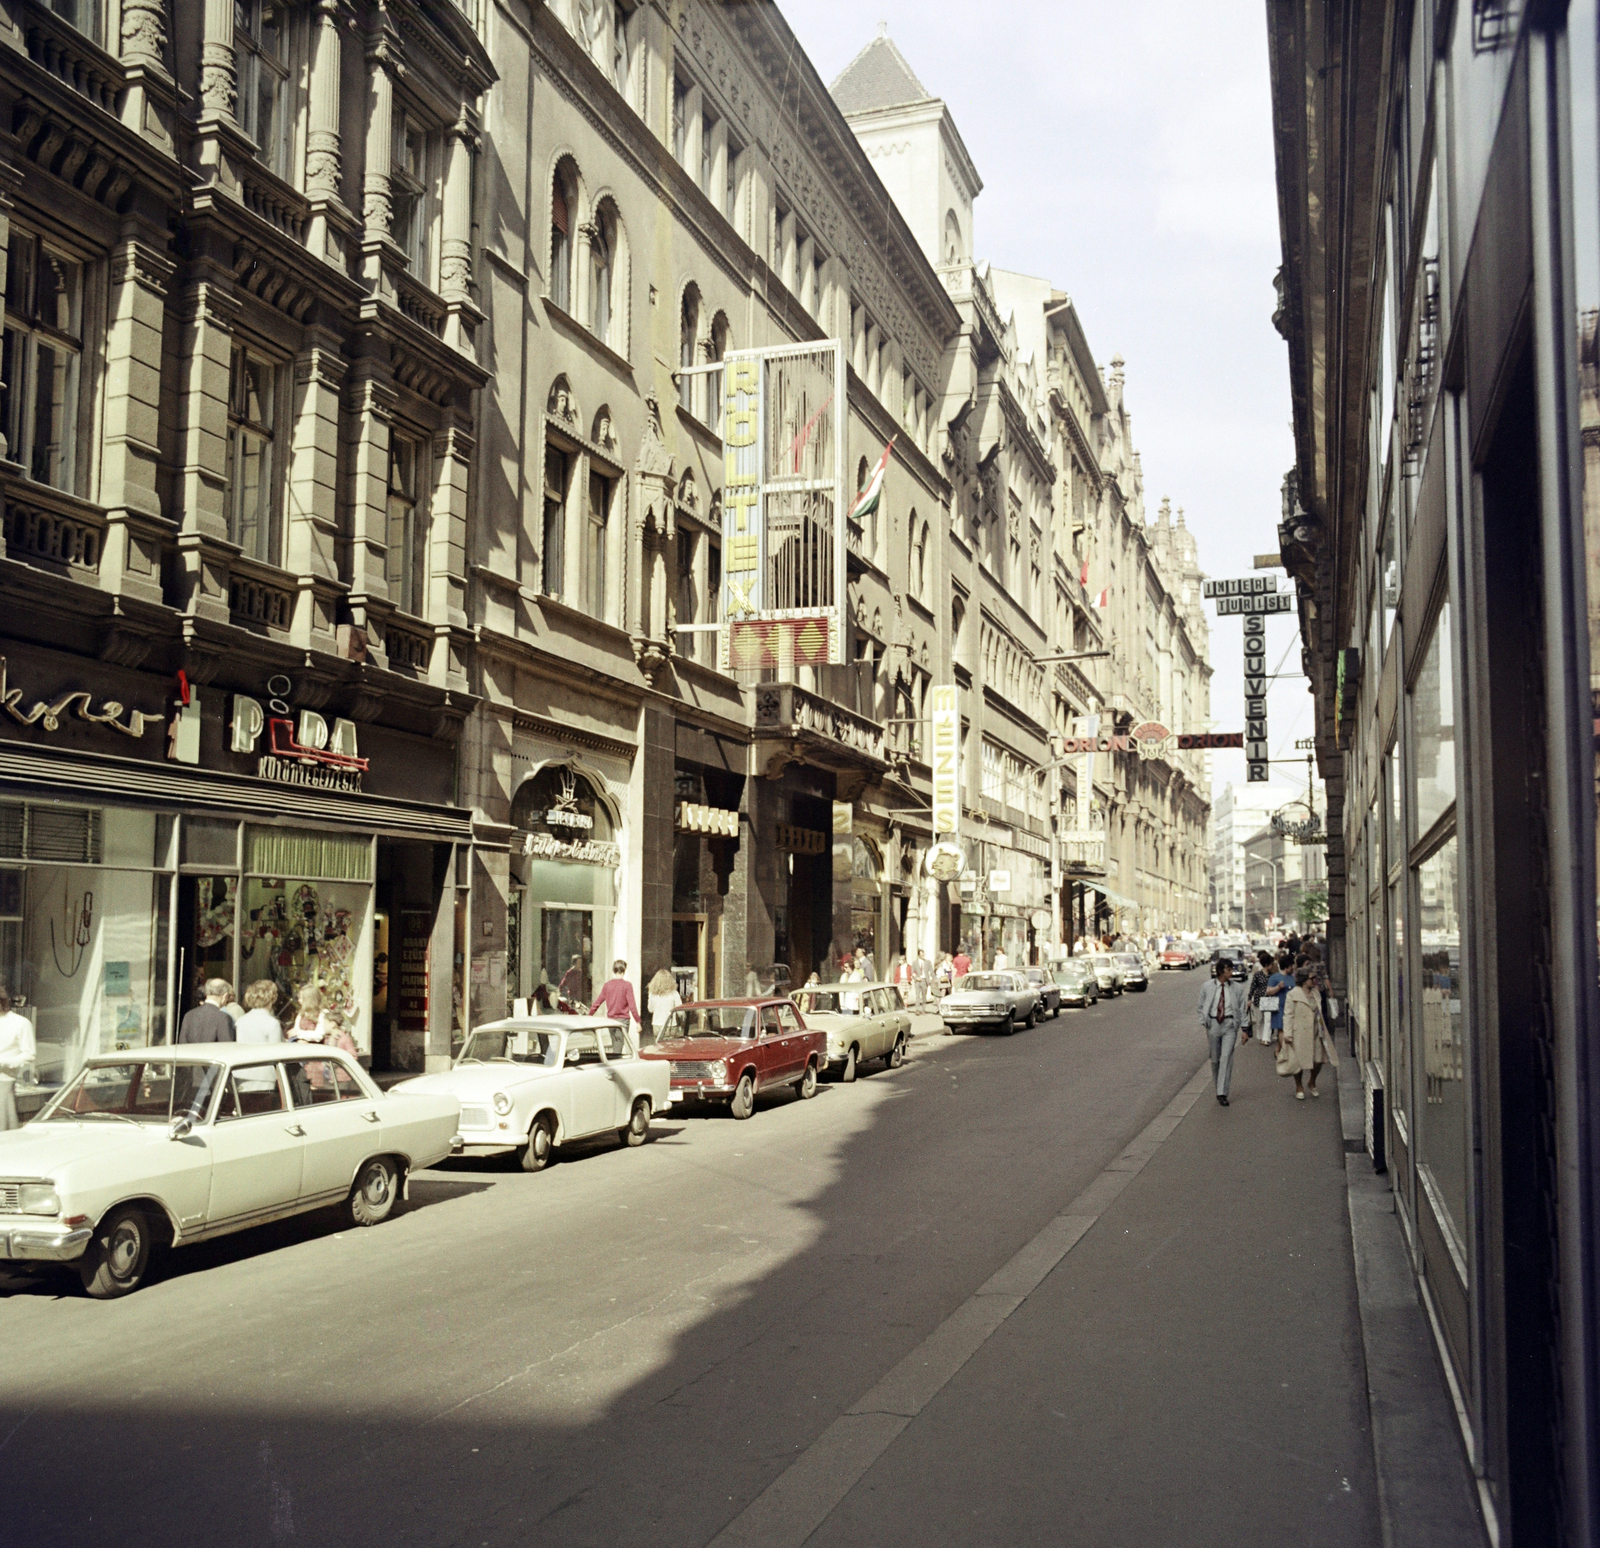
1224,1017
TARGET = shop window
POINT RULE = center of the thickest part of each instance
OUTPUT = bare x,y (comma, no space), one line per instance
411,178
406,559
261,54
1433,760
594,555
43,343
1442,1117
557,472
252,410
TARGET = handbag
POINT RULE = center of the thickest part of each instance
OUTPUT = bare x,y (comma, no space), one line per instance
1288,1060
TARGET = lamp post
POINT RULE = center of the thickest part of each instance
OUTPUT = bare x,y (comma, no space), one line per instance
1276,862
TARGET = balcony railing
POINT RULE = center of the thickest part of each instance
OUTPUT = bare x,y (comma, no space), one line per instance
274,200
72,57
259,598
52,530
788,709
409,649
419,303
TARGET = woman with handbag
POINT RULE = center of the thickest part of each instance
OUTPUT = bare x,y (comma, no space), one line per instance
1304,1045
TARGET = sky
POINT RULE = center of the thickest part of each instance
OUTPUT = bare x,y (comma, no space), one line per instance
1126,155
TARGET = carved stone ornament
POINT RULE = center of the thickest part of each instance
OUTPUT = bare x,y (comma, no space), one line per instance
651,656
322,162
144,32
655,459
217,93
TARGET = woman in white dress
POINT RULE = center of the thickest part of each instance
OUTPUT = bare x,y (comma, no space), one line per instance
663,998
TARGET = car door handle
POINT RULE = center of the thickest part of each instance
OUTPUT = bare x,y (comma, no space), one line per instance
296,1130
372,1117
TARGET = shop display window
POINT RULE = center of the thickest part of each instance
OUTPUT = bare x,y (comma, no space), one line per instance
1433,759
1442,1116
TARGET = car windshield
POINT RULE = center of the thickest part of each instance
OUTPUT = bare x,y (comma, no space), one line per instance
829,1002
515,1045
1104,963
139,1091
706,1021
1071,975
985,982
1129,960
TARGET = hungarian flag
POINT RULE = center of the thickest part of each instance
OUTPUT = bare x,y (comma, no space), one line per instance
1083,580
867,500
1104,599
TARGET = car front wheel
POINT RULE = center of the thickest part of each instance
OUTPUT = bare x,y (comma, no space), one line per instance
372,1197
744,1097
638,1123
541,1143
118,1255
1033,1015
848,1073
1009,1025
896,1055
806,1087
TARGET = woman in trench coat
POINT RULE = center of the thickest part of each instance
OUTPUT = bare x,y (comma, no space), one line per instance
1304,1044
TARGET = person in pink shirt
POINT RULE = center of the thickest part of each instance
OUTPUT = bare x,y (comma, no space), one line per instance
616,995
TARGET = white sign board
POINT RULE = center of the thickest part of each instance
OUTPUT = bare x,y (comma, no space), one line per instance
945,714
999,881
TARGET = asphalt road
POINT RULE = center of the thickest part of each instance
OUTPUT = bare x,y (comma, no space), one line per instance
636,1345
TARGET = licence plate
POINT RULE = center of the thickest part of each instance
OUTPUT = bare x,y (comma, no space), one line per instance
475,1118
674,1096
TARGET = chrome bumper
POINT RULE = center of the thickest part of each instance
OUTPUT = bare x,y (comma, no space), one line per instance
44,1244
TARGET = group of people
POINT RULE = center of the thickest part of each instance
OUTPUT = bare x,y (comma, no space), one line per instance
1284,1003
220,1018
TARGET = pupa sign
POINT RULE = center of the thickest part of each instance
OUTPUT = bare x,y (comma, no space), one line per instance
301,750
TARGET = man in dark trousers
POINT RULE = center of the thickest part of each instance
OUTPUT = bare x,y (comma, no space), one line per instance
1224,1017
209,1023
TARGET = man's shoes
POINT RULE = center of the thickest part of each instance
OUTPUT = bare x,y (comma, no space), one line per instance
1222,1099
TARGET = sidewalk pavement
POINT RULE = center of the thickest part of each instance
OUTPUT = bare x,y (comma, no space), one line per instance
1177,1360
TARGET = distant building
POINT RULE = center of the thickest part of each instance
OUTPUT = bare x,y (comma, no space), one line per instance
1237,815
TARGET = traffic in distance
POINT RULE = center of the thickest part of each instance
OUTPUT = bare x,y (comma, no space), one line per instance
149,1150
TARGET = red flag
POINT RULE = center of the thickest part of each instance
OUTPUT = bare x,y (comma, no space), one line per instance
1104,599
1083,580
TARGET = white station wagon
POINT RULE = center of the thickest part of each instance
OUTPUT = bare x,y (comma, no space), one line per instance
153,1147
534,1083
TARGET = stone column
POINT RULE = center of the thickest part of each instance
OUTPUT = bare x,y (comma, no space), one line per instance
377,206
131,454
313,487
207,312
148,104
370,403
455,250
447,545
653,778
219,68
324,161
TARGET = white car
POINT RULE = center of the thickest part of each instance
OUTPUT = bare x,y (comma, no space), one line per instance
535,1083
155,1147
861,1022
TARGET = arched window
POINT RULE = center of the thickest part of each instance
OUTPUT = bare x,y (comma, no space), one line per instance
714,388
563,214
955,249
919,570
602,271
688,344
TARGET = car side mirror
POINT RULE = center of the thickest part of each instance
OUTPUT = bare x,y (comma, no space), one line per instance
181,1128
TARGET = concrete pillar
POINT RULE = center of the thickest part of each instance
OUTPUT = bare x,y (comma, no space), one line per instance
370,402
377,206
455,260
447,537
324,152
311,535
653,775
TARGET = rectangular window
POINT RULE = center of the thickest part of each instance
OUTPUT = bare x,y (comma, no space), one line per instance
260,45
708,147
406,563
252,511
594,558
555,519
731,188
1443,1116
1433,762
409,184
43,342
88,16
680,120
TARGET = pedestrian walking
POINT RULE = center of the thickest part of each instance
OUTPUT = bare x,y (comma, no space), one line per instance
616,994
1264,969
209,1022
1224,1017
864,961
258,1024
17,1054
1001,960
1305,1045
921,977
661,995
961,963
944,973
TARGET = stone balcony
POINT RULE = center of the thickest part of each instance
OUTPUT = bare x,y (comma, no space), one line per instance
794,725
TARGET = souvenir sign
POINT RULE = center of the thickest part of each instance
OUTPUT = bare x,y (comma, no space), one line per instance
945,714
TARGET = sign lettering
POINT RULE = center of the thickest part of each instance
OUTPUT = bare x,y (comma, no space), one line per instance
945,714
79,703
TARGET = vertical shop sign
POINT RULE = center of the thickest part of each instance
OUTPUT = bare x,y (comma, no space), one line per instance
1255,700
945,714
416,934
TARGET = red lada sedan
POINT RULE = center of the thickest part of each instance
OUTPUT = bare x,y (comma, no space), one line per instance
731,1050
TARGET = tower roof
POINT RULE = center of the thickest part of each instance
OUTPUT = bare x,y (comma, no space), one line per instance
878,77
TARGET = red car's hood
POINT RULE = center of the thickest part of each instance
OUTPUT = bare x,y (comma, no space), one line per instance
698,1048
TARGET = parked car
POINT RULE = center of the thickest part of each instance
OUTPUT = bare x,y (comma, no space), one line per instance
1076,982
153,1147
533,1084
993,999
861,1022
1107,973
730,1051
1180,955
1049,991
1134,973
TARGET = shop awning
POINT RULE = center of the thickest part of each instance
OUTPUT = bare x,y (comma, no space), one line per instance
1116,899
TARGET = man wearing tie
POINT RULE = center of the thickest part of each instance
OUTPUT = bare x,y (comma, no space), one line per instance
1223,1015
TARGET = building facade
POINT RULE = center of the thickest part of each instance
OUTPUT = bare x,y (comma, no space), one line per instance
1439,188
1237,815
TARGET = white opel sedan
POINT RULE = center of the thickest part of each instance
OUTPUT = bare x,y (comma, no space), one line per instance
532,1084
862,1021
156,1147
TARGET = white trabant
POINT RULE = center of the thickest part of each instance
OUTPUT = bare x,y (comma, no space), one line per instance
155,1147
862,1022
535,1083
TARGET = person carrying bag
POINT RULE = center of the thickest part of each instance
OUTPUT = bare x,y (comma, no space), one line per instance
1304,1045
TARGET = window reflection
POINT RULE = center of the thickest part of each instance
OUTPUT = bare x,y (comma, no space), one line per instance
1433,729
1444,1119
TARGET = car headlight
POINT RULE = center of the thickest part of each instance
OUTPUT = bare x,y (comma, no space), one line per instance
39,1199
719,1070
502,1103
